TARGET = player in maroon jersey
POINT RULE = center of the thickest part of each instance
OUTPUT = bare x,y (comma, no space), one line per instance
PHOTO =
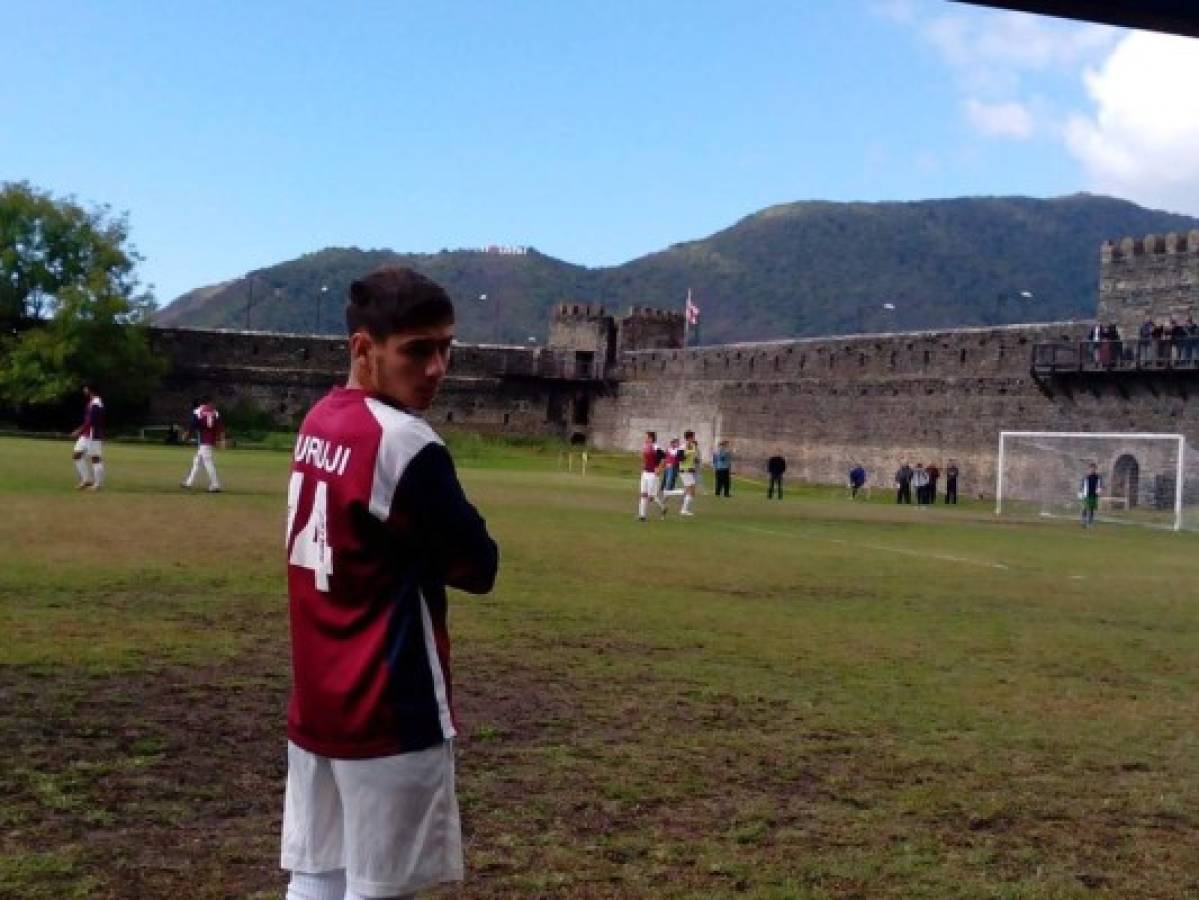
651,467
207,428
377,527
89,442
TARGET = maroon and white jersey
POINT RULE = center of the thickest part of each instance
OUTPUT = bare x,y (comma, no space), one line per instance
93,419
377,526
651,455
207,425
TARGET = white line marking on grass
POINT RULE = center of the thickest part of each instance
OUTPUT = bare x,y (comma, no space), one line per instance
944,557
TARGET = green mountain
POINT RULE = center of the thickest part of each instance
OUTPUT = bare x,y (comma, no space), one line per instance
798,269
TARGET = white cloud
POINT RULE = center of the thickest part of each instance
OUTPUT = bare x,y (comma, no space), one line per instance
993,56
902,11
1002,120
1014,42
1141,141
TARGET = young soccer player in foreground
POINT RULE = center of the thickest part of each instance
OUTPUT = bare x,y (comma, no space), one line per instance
377,526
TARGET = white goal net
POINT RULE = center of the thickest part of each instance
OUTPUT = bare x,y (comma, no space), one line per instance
1146,479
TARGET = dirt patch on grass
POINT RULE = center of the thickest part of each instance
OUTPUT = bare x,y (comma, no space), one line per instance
169,784
157,784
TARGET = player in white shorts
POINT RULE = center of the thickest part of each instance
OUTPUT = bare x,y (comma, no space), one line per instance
89,442
377,527
207,427
651,465
689,471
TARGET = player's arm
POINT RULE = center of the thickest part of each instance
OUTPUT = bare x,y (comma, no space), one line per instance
87,419
429,501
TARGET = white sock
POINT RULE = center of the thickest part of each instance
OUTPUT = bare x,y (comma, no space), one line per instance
81,466
686,503
641,507
191,476
98,468
325,886
210,468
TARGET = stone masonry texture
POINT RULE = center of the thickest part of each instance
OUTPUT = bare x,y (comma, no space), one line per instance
823,403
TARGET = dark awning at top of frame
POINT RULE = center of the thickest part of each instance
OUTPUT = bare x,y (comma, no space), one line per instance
1172,16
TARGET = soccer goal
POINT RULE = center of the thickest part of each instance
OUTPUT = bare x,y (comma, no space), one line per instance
1146,479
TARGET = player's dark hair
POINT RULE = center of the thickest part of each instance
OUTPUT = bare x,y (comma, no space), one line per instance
652,435
394,298
688,435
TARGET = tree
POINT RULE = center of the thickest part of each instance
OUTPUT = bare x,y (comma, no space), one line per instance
71,308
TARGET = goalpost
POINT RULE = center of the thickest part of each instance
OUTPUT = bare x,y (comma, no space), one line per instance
1147,479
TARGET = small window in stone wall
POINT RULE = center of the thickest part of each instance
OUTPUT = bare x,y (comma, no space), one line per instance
927,357
506,418
449,415
831,360
751,363
893,359
962,355
862,360
776,364
803,361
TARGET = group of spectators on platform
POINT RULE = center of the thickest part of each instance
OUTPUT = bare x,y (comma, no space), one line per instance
1157,342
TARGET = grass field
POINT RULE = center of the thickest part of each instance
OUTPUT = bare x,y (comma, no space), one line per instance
812,698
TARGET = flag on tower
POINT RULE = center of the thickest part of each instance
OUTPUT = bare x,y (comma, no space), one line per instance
692,310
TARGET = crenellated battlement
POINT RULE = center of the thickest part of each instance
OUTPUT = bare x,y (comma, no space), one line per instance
653,314
1149,244
574,310
1155,277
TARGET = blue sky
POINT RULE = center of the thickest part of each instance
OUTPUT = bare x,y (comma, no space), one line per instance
238,135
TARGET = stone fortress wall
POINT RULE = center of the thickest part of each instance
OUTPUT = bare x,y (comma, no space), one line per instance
821,402
1155,277
490,389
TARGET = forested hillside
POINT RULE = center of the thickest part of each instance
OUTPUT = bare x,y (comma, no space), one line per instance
797,269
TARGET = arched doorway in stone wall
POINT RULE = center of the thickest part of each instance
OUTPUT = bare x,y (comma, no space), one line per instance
1126,479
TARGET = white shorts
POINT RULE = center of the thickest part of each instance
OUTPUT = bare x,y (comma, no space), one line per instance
391,822
204,451
688,479
89,447
649,483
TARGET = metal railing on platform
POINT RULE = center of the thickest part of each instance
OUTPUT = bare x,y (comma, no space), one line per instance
1180,355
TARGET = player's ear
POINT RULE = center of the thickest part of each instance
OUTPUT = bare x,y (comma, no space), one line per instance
361,358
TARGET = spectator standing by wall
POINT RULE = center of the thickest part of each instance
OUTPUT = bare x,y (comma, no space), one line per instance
903,482
1145,341
934,474
1089,490
920,482
775,467
722,465
1178,339
951,482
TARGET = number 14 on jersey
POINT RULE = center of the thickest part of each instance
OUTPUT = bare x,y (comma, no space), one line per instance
310,548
